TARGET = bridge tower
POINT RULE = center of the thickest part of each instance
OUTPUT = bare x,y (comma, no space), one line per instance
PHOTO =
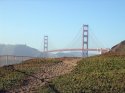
45,46
45,43
85,40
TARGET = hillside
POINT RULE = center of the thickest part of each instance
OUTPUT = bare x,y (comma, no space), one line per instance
99,74
30,75
18,50
119,48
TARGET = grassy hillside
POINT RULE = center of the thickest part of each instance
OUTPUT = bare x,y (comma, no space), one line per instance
10,78
99,74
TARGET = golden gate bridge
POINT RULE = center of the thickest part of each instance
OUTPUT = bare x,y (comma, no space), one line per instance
12,59
84,48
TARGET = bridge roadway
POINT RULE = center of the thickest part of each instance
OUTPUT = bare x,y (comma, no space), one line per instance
78,49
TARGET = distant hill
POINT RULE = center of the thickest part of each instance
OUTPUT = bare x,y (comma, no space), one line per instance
24,50
18,50
119,48
65,54
69,54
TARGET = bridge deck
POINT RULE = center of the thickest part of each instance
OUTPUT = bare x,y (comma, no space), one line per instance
61,50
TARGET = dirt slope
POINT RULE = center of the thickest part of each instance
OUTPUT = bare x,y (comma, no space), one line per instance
31,84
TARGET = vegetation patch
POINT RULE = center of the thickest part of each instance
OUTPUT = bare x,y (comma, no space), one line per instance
99,74
14,75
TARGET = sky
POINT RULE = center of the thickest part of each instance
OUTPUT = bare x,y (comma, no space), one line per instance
27,21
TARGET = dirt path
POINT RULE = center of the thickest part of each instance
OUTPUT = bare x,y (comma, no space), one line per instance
31,84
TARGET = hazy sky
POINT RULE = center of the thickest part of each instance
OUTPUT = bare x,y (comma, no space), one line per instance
27,21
